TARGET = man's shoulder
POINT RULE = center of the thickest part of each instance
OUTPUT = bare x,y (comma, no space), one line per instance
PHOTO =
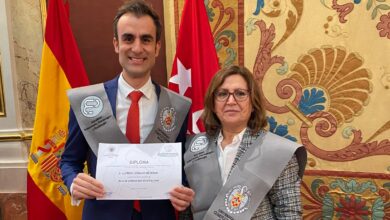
175,95
107,84
113,83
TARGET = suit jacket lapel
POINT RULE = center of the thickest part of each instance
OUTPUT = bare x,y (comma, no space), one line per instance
158,90
112,90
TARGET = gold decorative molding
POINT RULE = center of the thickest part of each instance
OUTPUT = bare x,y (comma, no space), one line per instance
43,15
16,136
2,103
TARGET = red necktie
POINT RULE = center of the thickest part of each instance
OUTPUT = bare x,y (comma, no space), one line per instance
132,127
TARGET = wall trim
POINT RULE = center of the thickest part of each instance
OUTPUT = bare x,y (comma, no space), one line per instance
23,135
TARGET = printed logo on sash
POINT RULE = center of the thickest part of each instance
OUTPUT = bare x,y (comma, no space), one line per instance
168,119
199,144
91,106
237,199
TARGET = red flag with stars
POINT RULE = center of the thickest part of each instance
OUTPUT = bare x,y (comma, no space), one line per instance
195,61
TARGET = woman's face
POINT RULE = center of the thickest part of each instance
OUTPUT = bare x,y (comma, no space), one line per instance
235,111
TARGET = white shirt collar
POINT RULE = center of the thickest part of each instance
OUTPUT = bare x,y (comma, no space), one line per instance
124,88
236,139
227,155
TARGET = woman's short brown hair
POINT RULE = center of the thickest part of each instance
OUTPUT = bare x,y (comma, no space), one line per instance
257,119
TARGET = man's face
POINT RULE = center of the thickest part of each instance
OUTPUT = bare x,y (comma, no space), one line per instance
136,45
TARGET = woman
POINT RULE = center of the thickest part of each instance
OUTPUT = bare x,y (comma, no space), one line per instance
237,169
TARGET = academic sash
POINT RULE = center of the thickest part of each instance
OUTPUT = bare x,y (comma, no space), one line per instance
248,183
94,115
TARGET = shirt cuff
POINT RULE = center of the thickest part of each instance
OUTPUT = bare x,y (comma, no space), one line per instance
73,201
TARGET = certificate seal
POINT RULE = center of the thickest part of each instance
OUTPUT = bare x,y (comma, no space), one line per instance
237,199
111,149
168,151
199,144
168,119
91,106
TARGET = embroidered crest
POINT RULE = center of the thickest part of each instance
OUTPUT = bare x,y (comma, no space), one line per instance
237,199
168,119
91,106
199,144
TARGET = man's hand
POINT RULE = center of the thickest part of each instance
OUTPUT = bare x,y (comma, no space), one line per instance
181,197
87,187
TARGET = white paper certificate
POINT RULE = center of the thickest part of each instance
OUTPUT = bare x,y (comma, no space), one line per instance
139,171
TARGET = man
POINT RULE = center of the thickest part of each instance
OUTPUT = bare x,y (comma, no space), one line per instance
137,32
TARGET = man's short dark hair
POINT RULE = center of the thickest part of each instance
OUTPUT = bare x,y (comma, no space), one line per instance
138,8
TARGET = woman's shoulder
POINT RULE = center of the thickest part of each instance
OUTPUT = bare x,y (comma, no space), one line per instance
269,136
194,140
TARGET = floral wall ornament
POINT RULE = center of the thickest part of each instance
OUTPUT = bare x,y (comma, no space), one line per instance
223,36
380,6
264,59
259,6
341,83
357,149
331,87
279,129
384,26
333,29
294,15
343,10
275,8
385,78
272,8
327,78
332,196
377,6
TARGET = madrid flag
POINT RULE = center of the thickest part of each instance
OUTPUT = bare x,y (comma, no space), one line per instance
61,69
195,61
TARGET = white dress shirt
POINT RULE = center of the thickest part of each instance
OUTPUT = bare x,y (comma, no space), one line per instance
148,106
226,156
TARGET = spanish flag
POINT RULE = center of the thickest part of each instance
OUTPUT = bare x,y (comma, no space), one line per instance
61,69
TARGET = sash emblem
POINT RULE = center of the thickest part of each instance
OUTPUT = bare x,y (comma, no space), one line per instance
168,119
91,106
199,144
237,199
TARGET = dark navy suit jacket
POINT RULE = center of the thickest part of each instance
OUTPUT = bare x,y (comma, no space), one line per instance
77,151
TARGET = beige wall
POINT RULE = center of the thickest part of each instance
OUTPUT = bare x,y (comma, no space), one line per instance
20,46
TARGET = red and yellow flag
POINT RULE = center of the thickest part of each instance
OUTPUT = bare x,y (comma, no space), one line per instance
61,69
